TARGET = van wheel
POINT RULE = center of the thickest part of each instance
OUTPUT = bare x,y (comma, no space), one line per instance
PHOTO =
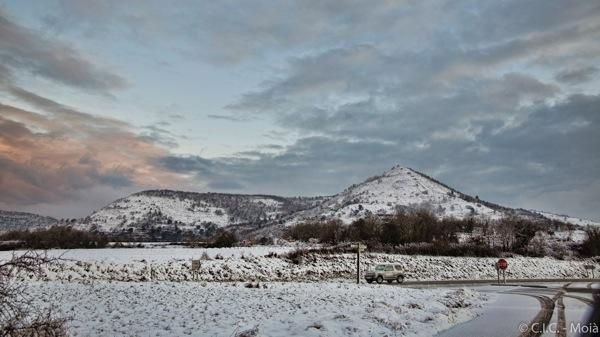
369,281
400,279
379,279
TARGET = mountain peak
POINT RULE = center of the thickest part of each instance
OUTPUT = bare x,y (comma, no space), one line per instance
397,169
403,187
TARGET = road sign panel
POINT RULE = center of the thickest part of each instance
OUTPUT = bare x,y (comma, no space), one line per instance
502,264
360,247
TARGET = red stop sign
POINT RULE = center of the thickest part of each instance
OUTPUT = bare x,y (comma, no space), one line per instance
502,264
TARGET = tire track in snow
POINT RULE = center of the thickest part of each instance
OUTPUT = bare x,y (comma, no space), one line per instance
544,315
582,299
561,330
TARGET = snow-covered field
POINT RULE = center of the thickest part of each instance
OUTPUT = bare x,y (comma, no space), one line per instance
157,255
159,298
280,309
174,264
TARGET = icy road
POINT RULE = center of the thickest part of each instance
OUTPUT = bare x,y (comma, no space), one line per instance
533,310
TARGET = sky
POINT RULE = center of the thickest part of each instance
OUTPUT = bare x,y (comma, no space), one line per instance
99,99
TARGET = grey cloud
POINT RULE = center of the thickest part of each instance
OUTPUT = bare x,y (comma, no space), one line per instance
81,206
226,185
542,46
62,112
116,179
482,22
226,117
352,92
275,135
22,49
186,164
159,135
272,147
176,116
577,75
229,32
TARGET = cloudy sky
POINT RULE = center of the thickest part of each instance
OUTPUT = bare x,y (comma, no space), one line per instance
99,99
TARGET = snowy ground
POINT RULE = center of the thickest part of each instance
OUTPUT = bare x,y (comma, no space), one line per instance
159,299
280,309
174,264
158,254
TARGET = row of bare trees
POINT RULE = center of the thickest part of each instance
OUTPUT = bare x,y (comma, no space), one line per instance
421,226
406,226
65,237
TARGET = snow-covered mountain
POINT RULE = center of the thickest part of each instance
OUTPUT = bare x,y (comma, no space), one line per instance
164,214
204,213
199,213
569,219
402,187
10,221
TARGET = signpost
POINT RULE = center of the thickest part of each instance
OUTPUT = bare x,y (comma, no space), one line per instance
501,266
195,269
590,267
359,248
152,273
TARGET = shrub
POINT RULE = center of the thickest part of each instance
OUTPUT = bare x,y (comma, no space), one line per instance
205,256
444,249
272,254
224,239
591,246
18,315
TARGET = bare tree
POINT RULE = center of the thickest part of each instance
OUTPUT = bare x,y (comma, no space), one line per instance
18,314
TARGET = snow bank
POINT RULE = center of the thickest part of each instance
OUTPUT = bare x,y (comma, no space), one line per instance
281,309
130,265
157,254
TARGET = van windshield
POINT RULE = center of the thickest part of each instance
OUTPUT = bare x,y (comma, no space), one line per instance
380,267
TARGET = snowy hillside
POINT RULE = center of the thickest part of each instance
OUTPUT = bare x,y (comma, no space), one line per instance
203,213
397,188
197,212
166,215
569,219
20,221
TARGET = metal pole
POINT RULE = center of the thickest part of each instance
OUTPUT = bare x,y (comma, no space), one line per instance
358,264
503,277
